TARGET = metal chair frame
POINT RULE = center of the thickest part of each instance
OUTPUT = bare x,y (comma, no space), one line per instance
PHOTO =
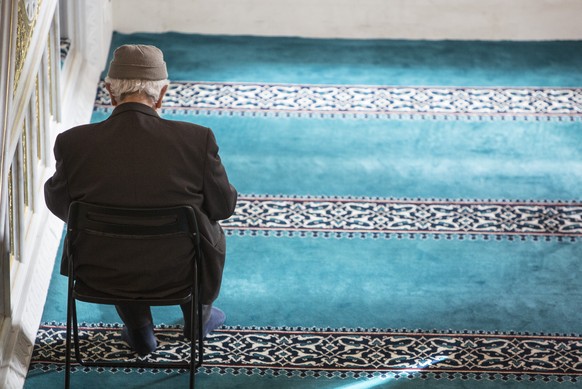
133,223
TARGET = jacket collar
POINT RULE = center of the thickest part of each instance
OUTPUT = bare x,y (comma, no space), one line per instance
142,108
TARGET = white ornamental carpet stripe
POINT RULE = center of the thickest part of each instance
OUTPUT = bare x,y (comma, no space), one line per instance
325,352
388,216
391,101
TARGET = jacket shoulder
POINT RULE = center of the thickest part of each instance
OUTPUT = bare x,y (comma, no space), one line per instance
186,126
79,129
188,132
77,132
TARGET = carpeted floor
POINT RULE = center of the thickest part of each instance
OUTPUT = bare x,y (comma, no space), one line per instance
410,215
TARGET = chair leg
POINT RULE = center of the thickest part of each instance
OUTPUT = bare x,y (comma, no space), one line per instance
200,335
76,333
194,321
68,344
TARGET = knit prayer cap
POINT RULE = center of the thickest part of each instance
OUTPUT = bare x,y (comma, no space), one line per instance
138,62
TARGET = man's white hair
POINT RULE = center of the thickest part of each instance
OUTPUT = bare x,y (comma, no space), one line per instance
121,88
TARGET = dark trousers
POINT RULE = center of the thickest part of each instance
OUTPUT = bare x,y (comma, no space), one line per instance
136,316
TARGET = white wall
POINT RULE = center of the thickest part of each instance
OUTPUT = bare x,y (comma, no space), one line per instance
406,19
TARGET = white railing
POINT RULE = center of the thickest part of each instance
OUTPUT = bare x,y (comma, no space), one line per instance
40,98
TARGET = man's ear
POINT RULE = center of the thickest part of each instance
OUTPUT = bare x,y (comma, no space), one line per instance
113,101
162,94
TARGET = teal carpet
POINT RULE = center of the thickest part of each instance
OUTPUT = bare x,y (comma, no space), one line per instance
410,216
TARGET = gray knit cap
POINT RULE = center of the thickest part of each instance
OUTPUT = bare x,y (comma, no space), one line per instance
138,62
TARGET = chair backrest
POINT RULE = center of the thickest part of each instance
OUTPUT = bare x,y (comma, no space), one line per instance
132,222
132,252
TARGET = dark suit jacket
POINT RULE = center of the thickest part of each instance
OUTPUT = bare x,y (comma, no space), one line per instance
137,159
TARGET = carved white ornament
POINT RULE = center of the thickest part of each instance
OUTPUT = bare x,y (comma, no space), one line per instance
30,6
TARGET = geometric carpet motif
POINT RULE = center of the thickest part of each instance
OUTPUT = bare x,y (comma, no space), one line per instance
340,353
375,217
375,101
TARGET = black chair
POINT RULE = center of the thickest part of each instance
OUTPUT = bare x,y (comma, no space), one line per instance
133,226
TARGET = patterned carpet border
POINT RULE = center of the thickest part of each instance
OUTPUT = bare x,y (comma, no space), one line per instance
345,353
366,101
376,218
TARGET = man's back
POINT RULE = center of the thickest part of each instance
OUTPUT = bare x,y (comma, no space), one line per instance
136,159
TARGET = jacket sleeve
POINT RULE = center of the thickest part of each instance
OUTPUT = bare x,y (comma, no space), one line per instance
219,195
56,192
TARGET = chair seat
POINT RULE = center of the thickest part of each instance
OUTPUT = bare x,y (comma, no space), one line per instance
85,293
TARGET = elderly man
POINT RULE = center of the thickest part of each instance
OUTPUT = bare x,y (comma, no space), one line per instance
137,159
